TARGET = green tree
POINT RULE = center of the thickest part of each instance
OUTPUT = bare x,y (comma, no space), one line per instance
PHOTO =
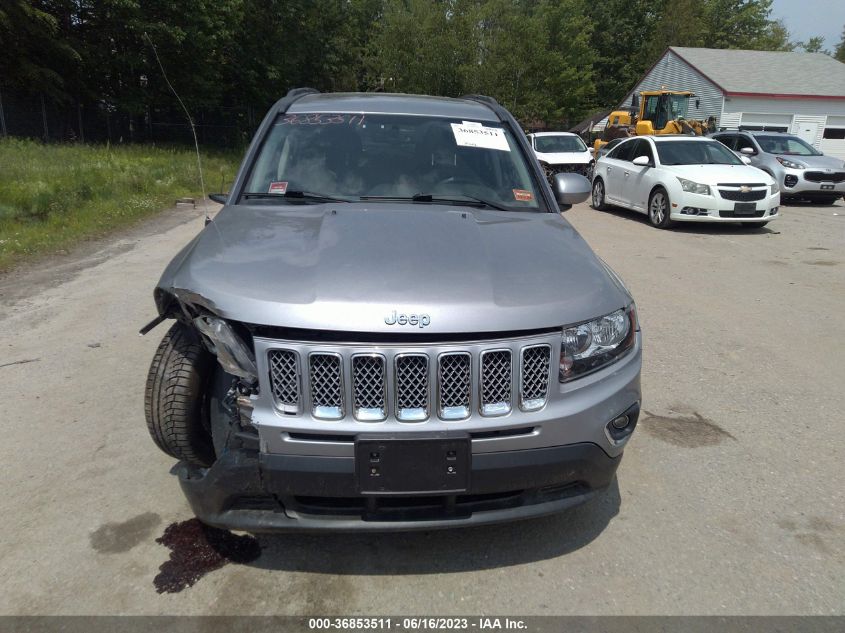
743,24
32,51
814,45
839,53
622,29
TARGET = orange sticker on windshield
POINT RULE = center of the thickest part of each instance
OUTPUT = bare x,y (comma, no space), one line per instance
523,195
278,187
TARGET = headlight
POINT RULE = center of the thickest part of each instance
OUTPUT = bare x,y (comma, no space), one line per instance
789,163
232,354
774,188
694,187
589,346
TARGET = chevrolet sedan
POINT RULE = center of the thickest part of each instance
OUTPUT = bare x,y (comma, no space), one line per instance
684,179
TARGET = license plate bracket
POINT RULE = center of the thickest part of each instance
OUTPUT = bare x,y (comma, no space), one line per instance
413,466
745,208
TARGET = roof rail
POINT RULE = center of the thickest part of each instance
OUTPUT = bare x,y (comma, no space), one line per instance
482,98
299,92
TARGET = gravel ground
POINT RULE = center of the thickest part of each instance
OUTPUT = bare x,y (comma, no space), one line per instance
729,499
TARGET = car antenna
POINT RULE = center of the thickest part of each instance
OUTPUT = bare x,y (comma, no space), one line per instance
190,121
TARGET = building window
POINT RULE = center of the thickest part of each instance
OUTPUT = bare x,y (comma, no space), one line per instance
834,132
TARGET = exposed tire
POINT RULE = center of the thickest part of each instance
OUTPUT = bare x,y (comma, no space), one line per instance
659,209
597,200
175,397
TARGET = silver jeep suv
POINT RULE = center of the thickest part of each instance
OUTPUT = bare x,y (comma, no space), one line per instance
800,170
390,326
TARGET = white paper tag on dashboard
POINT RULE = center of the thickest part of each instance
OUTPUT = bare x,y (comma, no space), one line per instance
480,136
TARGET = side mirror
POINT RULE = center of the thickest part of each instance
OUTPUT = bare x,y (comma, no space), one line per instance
570,189
745,160
642,161
219,197
749,151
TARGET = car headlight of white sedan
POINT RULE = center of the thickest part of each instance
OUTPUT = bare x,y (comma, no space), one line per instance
694,187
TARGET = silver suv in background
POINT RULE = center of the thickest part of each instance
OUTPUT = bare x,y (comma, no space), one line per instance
800,170
390,326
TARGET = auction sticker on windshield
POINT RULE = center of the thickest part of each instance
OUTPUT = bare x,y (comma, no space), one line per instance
278,187
470,134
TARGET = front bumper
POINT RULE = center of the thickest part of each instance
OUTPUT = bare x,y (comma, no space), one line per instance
260,492
794,183
691,207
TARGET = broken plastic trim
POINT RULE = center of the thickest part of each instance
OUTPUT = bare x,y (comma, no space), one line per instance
152,324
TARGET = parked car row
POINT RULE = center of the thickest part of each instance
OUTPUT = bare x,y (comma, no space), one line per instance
702,179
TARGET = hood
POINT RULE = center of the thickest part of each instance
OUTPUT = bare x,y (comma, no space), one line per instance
720,174
565,158
816,162
357,266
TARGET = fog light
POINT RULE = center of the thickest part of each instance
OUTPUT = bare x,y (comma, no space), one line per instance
773,211
621,422
619,429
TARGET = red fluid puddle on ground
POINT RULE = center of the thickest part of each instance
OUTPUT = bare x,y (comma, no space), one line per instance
196,549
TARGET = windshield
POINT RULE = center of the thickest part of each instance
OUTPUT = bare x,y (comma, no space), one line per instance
791,145
556,144
372,156
678,106
695,153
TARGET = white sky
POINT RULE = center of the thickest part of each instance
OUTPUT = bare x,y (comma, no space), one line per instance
806,18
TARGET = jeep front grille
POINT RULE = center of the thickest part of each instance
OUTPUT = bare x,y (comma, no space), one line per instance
369,400
496,382
454,383
534,377
411,387
284,377
376,383
325,377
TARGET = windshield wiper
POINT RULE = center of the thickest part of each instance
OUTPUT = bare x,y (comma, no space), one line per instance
300,195
461,200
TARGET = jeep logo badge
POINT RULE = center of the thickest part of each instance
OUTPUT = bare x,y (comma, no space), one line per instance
421,320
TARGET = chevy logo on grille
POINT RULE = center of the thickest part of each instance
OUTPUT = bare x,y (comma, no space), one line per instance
744,189
421,320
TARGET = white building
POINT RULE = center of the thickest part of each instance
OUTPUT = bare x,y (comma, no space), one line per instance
801,93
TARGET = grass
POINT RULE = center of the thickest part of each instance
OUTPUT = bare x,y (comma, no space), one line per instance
55,196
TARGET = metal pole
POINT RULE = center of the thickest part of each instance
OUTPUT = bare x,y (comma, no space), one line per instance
2,118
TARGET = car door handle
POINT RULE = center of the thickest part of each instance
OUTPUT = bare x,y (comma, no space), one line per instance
627,173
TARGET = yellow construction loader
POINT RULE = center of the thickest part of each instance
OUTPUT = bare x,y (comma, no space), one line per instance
655,112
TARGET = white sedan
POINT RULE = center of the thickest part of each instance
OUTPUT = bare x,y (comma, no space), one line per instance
562,152
684,178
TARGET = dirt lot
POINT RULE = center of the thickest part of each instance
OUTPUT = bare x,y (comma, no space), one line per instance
730,499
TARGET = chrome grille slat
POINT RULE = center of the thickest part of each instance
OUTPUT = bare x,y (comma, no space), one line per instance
534,377
369,398
284,378
496,382
454,384
325,378
411,387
